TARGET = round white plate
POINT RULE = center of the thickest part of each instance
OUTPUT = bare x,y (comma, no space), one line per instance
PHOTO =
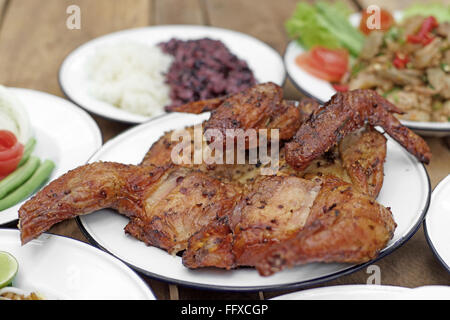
322,90
64,133
370,292
264,61
63,268
105,228
437,222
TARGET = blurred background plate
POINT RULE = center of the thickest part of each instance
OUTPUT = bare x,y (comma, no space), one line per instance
62,268
263,60
64,133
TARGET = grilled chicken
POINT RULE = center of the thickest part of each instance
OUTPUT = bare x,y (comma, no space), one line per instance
154,198
272,228
318,207
343,114
343,226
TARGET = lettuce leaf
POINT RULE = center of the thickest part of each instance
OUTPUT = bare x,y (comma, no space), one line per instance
440,11
324,24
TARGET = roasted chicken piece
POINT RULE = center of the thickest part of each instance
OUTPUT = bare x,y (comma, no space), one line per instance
332,222
226,216
363,153
343,114
343,226
166,206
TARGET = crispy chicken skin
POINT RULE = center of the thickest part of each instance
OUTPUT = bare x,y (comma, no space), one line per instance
212,246
344,226
318,207
154,198
344,113
198,107
332,223
363,153
84,190
178,205
272,210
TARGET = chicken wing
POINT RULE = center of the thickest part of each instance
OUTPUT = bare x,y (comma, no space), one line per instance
344,113
363,153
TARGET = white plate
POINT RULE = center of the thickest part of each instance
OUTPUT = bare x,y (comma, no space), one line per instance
437,222
64,133
264,61
370,292
322,90
63,268
406,190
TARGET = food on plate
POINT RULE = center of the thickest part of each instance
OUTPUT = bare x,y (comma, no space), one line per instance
10,293
145,79
20,173
13,116
438,10
36,180
327,64
11,151
204,69
408,62
409,65
8,271
229,215
326,25
344,113
131,77
386,21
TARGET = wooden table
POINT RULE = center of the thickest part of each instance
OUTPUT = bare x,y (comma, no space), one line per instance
34,40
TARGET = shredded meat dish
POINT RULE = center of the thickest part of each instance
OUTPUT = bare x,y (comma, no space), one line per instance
409,68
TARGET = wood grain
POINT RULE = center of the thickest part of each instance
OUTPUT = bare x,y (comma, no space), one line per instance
179,12
34,41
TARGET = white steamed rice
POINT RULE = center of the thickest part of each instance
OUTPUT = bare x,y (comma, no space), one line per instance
130,76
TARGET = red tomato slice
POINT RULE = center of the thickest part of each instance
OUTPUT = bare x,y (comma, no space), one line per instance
8,166
11,152
7,139
334,61
326,64
386,21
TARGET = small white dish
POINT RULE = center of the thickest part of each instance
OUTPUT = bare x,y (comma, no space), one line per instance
64,133
322,90
105,227
263,60
437,222
61,268
370,292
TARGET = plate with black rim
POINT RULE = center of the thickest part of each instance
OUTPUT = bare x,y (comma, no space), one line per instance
60,268
265,62
437,222
406,190
64,133
322,90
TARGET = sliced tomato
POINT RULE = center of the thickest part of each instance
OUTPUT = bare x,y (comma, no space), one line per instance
8,166
340,87
7,140
326,64
386,21
11,152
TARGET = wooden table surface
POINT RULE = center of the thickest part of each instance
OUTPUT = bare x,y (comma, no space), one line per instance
34,40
